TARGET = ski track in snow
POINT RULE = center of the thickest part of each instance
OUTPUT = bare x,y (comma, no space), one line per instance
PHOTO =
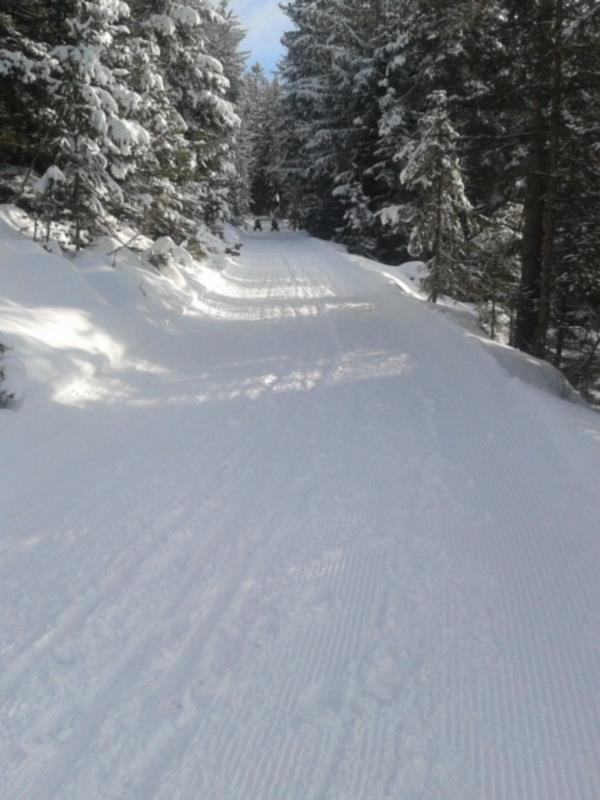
314,544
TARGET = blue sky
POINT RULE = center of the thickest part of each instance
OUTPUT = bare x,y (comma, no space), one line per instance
265,22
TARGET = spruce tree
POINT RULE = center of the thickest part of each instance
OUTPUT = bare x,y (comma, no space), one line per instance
94,133
440,219
308,103
225,35
195,122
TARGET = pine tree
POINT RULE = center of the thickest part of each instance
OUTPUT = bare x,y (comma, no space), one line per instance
24,71
94,133
253,86
493,266
440,221
308,104
568,322
86,108
225,35
356,90
195,122
134,112
263,137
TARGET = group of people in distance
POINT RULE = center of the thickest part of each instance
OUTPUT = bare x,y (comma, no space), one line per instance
258,225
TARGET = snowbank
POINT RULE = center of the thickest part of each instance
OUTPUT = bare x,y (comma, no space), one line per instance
63,318
408,278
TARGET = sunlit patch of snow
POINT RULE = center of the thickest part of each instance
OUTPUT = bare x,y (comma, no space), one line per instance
361,365
61,328
83,392
368,365
57,343
220,308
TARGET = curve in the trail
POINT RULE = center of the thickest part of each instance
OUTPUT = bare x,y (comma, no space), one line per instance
324,549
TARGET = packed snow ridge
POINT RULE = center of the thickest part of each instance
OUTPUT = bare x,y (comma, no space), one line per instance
273,527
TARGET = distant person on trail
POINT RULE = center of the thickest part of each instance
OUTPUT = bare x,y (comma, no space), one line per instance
257,225
274,225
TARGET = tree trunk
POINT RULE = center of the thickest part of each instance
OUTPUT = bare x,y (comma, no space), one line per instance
435,272
530,290
560,333
77,211
548,267
533,229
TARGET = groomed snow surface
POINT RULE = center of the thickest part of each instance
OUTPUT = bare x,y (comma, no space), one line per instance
284,532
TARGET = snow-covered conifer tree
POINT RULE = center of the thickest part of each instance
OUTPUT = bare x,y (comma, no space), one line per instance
308,105
225,35
94,134
24,72
154,187
493,268
197,88
254,85
439,220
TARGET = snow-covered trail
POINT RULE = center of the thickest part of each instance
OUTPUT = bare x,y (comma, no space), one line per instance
312,544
